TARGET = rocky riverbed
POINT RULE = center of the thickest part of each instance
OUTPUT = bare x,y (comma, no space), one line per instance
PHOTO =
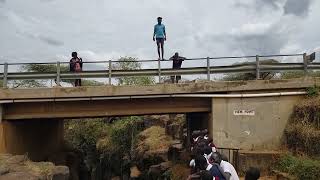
21,168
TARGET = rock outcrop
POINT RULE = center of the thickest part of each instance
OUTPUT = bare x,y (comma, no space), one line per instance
21,168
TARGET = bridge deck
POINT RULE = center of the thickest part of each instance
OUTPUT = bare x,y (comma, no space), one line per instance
51,94
100,101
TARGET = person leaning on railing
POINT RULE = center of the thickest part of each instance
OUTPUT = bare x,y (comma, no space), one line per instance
76,66
176,64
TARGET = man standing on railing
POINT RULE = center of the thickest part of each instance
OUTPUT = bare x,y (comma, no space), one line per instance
176,64
159,35
76,66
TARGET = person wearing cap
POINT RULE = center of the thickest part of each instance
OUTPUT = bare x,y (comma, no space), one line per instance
176,64
159,35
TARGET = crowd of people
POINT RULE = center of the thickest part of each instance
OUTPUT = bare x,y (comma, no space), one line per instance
208,164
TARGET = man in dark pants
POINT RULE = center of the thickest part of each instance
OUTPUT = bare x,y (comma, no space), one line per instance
159,34
176,64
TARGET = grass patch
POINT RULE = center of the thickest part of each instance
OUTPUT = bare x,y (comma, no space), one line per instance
153,139
179,171
303,138
302,133
40,168
300,167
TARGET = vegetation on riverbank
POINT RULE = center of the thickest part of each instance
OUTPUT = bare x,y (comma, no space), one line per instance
107,147
301,167
302,138
302,133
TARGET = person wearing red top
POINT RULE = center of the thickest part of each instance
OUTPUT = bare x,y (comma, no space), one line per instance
76,66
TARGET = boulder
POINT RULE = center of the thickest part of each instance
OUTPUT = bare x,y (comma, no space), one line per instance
156,171
134,172
18,159
21,168
3,170
60,173
19,176
165,166
116,178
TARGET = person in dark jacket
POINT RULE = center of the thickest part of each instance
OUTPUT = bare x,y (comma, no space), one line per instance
214,170
176,64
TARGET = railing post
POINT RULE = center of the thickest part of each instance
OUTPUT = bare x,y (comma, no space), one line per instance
305,63
5,75
58,73
110,71
159,71
257,67
208,68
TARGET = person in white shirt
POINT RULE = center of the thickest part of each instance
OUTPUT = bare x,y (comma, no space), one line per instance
227,167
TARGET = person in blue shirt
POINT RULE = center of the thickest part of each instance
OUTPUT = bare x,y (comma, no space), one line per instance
159,35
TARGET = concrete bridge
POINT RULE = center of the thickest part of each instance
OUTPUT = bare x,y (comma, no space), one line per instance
240,114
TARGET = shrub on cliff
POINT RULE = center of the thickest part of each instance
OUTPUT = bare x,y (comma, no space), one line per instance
302,133
105,146
153,139
302,168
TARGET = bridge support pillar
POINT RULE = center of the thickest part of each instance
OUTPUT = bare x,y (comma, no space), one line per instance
251,123
36,138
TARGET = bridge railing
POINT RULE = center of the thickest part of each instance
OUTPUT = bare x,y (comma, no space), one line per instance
208,69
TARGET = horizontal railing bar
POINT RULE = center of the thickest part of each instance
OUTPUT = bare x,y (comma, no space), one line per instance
42,63
282,55
165,72
154,60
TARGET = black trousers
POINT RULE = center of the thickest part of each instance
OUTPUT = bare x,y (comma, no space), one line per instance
77,82
175,79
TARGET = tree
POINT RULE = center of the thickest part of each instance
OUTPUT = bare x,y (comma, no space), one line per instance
298,74
251,76
130,63
48,68
106,146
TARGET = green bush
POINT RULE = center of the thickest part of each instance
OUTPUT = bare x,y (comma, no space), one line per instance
302,168
106,146
313,91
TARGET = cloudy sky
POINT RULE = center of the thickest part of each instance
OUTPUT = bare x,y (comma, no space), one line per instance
49,30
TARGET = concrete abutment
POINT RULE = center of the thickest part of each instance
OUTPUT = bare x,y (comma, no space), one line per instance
251,123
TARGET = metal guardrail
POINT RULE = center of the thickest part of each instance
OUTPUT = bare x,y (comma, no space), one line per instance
255,67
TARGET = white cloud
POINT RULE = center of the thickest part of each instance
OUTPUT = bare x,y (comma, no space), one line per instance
251,29
43,30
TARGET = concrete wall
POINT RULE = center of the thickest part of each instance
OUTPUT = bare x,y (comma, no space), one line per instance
263,131
37,138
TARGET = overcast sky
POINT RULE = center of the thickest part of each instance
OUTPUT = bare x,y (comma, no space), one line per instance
49,30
